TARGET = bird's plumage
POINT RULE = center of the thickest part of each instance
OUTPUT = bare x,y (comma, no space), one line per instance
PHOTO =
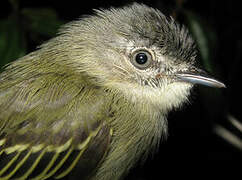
54,116
79,103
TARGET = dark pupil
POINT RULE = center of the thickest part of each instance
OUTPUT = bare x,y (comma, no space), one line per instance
141,58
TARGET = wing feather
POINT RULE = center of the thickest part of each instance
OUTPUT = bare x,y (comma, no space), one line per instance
16,168
73,164
40,118
11,161
49,165
29,171
58,166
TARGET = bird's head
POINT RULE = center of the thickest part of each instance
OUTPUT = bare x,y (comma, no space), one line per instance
138,51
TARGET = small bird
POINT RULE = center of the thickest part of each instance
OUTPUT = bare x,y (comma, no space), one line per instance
94,100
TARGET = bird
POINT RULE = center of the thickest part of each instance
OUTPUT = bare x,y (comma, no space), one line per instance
94,100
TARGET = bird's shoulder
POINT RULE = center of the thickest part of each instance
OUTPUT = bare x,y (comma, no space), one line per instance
56,119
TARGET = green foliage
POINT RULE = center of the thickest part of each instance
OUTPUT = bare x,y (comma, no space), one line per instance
43,21
204,36
24,26
12,43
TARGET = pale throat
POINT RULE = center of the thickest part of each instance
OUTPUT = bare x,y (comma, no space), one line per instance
163,99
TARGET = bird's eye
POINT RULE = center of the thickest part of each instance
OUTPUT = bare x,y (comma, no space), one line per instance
141,59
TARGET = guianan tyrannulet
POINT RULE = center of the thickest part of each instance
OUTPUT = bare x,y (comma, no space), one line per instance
94,99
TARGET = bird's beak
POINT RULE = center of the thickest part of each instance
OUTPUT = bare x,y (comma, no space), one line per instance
199,77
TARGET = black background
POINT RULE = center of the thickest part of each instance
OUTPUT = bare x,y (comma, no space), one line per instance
192,144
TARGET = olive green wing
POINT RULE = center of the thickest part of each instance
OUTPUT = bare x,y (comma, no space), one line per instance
51,125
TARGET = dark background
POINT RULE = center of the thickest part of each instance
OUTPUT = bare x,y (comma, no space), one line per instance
194,142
